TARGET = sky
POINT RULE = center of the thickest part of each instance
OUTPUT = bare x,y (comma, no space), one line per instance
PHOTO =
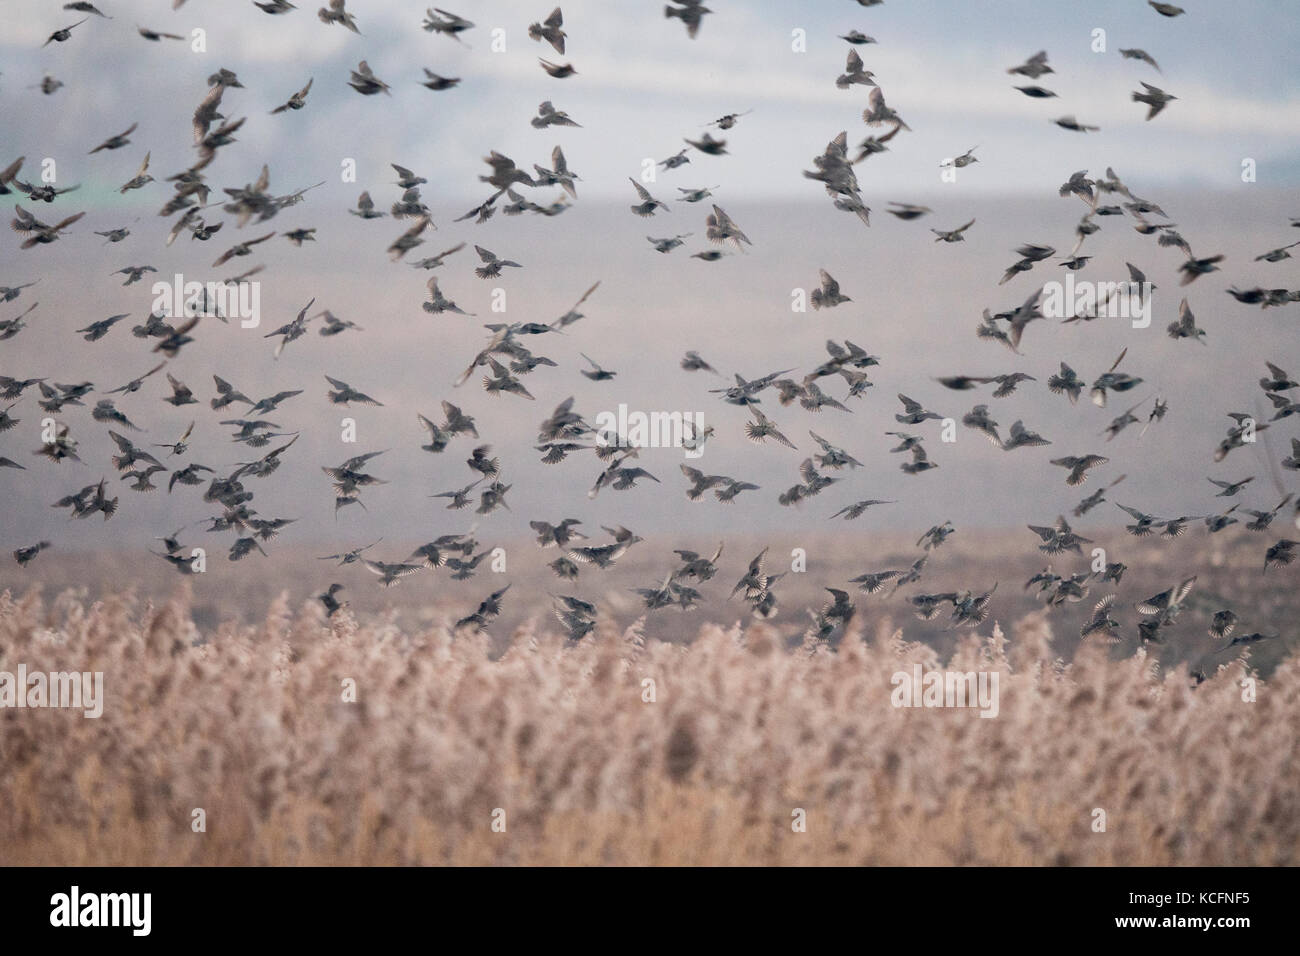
642,86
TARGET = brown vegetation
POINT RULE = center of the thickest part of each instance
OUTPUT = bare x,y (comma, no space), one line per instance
250,725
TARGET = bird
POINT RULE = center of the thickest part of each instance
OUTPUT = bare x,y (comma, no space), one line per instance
157,36
244,248
1278,254
502,381
139,180
970,609
434,262
9,175
333,325
1281,553
693,363
832,456
1101,625
295,102
551,30
352,556
858,508
954,235
1008,383
1261,520
604,556
677,159
854,73
299,236
434,81
1021,437
1155,98
908,211
669,243
448,24
1034,67
721,228
558,175
366,83
978,419
1194,268
493,265
700,482
576,616
913,413
331,604
63,33
1066,382
690,12
829,294
1166,605
97,330
37,232
1142,55
936,536
596,373
438,303
140,478
878,113
648,203
1078,466
1059,538
488,610
391,573
761,428
1123,421
1229,489
136,383
1072,124
291,331
708,145
336,13
459,497
343,394
729,120
962,161
1165,9
557,535
1114,381
557,70
1292,463
26,554
548,115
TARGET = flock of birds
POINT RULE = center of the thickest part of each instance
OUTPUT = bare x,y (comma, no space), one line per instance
508,360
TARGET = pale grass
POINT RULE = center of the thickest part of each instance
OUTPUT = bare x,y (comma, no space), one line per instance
251,727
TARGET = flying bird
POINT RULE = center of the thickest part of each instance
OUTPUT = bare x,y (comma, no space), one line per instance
690,12
551,30
1154,97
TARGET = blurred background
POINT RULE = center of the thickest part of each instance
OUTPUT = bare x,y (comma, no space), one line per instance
642,86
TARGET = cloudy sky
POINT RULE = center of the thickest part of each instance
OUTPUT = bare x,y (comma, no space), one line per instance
642,85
